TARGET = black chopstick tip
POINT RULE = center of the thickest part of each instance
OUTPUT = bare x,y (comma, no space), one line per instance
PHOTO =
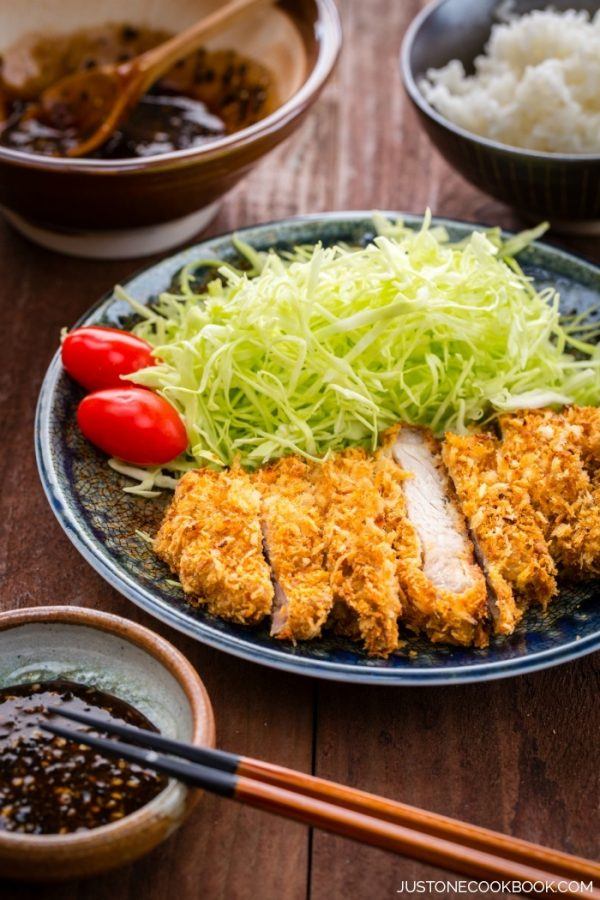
60,731
59,711
206,756
213,779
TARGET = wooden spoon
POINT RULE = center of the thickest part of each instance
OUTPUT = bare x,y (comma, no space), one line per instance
93,103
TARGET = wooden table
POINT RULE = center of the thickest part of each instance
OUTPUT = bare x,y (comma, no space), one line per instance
519,755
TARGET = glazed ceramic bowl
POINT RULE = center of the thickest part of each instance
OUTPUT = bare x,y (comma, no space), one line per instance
131,207
135,665
563,189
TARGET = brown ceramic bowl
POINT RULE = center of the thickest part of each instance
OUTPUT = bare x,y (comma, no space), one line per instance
120,208
134,664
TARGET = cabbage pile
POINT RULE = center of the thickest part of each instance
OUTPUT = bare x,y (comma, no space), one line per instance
324,347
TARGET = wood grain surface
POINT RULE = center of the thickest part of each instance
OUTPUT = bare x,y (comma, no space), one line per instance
518,755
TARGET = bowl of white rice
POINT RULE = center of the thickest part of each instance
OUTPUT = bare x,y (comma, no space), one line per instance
509,92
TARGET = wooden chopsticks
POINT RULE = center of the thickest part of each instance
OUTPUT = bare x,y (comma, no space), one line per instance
425,836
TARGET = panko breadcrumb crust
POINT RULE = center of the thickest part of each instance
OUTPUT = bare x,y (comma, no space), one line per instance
211,537
507,531
295,547
586,420
360,556
542,450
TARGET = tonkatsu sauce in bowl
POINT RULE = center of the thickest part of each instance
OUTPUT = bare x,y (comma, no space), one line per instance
209,94
49,785
200,130
67,811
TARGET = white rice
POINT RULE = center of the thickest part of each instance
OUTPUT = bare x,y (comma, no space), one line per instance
537,84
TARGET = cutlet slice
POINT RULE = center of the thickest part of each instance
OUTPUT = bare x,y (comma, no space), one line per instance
542,451
360,558
508,536
445,590
292,524
211,537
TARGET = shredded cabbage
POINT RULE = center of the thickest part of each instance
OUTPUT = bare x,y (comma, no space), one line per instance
313,350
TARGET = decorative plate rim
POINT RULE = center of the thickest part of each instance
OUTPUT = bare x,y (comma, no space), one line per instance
273,657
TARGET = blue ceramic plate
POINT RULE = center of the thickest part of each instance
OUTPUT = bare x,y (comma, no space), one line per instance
103,522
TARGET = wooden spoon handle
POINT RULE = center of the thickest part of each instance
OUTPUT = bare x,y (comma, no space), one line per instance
157,61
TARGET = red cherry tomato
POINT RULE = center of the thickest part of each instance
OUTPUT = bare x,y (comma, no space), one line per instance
96,356
133,424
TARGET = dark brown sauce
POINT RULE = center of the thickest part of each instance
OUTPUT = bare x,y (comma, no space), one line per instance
49,785
207,95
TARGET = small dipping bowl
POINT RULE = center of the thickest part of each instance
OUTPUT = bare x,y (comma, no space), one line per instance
135,665
560,188
120,208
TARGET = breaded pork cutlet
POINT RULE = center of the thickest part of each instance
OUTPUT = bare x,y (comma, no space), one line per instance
292,524
445,590
542,450
211,537
507,533
360,557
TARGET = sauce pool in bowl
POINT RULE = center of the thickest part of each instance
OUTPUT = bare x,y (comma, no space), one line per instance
49,785
209,94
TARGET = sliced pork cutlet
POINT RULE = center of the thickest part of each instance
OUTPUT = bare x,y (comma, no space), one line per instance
507,532
542,451
292,525
445,590
211,537
359,554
